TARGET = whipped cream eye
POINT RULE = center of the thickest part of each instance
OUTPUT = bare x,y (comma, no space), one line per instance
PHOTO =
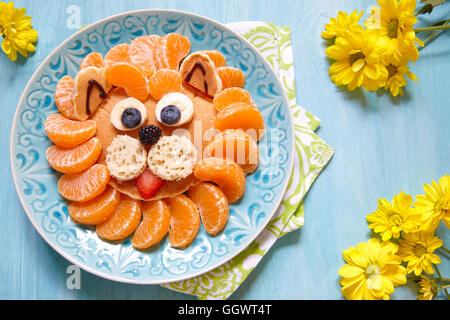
129,114
174,109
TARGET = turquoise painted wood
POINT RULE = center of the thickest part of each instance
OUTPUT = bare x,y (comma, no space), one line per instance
383,145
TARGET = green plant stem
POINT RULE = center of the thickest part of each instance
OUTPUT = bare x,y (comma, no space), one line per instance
434,34
417,278
445,250
441,27
444,287
441,279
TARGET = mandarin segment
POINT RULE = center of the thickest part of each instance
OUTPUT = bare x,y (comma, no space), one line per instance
228,175
163,82
93,59
154,225
130,78
243,116
231,95
118,54
184,221
160,56
141,52
177,47
124,220
64,97
84,186
231,77
97,210
218,58
68,133
74,160
236,145
212,204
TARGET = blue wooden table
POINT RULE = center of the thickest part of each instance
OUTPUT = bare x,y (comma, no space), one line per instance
383,145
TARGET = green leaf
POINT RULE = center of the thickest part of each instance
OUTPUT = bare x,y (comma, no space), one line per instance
429,6
434,3
425,9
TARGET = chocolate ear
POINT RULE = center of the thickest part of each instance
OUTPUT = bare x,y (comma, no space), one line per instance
199,72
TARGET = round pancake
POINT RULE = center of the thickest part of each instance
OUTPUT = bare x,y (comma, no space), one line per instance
199,131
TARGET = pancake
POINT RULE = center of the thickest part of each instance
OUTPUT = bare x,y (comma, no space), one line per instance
200,130
199,72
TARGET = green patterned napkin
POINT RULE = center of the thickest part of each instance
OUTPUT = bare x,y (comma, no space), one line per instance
311,156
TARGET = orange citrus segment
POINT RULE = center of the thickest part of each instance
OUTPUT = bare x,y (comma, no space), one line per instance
97,210
212,204
231,95
93,59
118,54
241,115
154,225
176,47
163,82
124,220
228,175
231,77
82,187
218,58
184,221
69,133
159,55
129,77
236,145
64,97
74,160
141,53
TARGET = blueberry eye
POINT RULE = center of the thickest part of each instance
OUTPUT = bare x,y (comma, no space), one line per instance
170,114
131,117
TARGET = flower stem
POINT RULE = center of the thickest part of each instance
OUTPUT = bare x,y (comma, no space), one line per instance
444,287
441,279
445,26
434,34
445,250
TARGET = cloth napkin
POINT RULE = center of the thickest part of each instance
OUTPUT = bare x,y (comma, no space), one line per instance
310,157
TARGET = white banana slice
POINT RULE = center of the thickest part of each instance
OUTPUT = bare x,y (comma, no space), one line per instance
182,102
121,106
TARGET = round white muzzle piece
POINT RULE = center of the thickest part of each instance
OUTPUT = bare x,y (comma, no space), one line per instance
126,158
172,158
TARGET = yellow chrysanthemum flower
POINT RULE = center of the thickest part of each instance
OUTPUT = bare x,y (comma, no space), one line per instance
397,72
17,31
427,288
417,248
393,22
389,220
341,23
372,271
435,204
358,61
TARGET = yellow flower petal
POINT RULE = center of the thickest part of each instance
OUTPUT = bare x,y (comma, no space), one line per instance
17,32
349,271
358,65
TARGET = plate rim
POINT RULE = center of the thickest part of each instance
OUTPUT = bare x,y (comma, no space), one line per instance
103,275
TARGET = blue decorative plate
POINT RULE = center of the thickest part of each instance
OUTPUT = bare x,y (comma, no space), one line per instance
36,182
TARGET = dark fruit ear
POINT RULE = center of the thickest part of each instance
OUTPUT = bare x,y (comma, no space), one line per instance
198,71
